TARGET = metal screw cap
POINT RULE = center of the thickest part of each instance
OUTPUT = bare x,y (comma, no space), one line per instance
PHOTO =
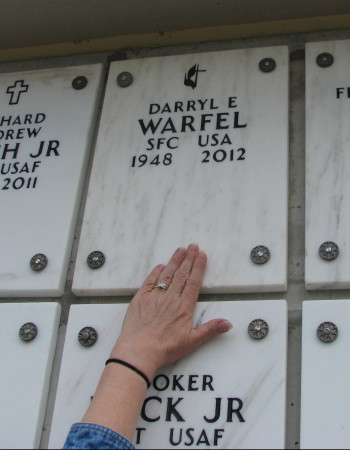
125,79
87,336
79,83
327,332
28,332
258,329
38,262
325,59
96,259
267,65
260,254
328,251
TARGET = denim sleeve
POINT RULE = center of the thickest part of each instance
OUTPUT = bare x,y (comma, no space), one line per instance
93,436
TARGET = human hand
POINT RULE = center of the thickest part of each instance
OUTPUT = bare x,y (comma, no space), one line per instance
158,326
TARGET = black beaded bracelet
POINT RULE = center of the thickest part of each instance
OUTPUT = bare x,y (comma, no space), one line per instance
126,364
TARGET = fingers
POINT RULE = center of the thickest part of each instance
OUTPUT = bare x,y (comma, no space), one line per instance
183,272
207,331
152,278
172,266
195,279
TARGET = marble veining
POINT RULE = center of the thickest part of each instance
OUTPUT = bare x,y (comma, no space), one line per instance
26,371
327,165
175,164
248,376
45,140
325,392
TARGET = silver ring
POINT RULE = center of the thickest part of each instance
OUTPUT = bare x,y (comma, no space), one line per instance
161,286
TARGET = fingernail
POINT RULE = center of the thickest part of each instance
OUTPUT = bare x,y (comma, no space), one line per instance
225,326
180,251
202,254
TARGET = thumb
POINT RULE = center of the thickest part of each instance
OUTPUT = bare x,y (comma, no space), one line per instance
209,330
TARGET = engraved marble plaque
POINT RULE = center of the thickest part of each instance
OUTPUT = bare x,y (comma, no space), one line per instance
327,164
26,370
232,372
325,394
46,127
195,149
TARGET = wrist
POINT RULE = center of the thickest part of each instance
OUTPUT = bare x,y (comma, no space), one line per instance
130,367
136,358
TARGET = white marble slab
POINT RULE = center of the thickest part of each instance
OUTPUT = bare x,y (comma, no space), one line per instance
26,370
46,128
325,394
236,367
219,177
327,164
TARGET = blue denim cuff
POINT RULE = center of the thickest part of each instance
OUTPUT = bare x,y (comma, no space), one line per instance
93,436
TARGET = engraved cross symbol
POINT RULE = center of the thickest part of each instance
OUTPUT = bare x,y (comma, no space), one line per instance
193,72
16,90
